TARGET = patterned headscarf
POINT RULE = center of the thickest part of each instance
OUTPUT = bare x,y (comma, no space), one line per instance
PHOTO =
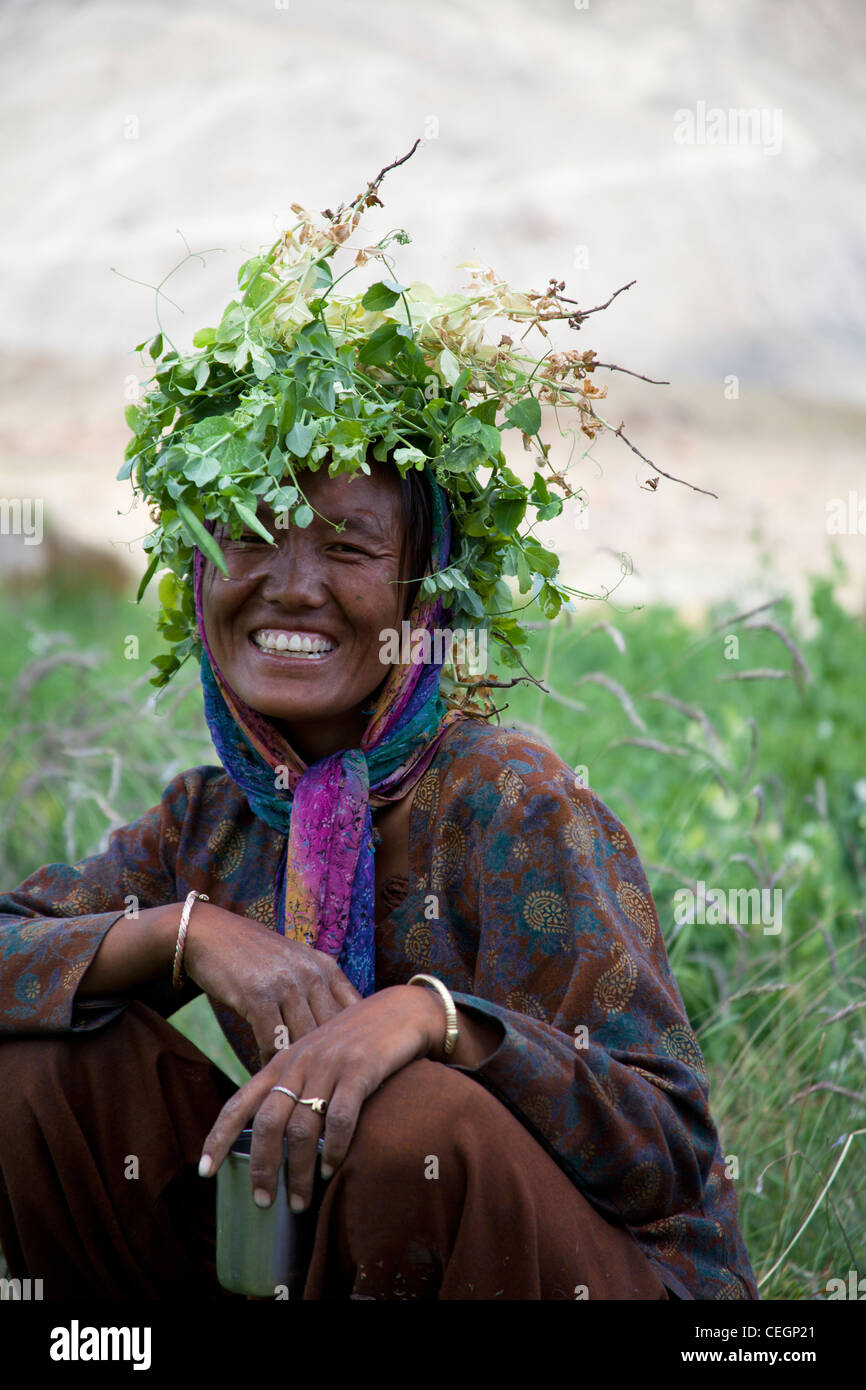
324,888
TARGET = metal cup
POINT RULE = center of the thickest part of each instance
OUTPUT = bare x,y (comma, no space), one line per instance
260,1251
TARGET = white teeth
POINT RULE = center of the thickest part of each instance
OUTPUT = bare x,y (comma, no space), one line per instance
296,643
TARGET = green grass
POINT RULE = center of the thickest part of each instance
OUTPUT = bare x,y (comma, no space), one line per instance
739,782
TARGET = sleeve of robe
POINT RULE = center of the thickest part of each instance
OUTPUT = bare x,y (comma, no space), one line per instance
550,927
52,924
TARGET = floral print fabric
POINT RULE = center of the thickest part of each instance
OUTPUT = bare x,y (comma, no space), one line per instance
527,898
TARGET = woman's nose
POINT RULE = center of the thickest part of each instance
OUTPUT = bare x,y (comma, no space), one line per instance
293,574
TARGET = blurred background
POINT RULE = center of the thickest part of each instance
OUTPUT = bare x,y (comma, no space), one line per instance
558,139
713,153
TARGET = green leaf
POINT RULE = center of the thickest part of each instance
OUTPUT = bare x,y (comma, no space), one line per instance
202,470
549,601
203,538
470,600
248,515
276,463
409,456
155,347
508,512
240,357
476,523
299,439
521,565
136,419
382,296
168,590
544,561
467,427
284,497
303,515
525,415
491,439
540,490
449,366
381,346
502,601
204,337
551,509
511,479
460,384
324,277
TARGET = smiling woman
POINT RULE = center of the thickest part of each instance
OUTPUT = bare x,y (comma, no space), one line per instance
295,627
554,1077
434,950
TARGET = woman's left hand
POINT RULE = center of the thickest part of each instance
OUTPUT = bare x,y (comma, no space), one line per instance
342,1062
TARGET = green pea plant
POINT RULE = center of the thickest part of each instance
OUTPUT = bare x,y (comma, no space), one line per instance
299,374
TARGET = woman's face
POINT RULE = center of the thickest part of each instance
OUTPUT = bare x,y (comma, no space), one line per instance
295,629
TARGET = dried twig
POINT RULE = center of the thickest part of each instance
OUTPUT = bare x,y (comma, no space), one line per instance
612,367
848,1009
618,691
653,745
635,450
800,664
828,1086
574,705
741,617
691,712
368,195
577,316
761,673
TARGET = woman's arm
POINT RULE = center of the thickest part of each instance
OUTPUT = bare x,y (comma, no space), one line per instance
54,924
133,952
202,835
477,1037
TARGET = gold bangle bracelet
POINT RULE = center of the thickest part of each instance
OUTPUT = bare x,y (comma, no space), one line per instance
178,976
451,1033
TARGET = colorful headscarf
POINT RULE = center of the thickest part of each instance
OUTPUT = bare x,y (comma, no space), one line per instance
324,889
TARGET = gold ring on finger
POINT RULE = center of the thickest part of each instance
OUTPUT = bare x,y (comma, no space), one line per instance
315,1103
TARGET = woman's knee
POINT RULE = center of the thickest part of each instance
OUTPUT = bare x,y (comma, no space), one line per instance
423,1119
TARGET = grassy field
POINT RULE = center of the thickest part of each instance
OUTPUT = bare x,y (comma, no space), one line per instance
735,755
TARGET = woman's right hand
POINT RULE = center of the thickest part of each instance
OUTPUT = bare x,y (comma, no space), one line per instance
278,986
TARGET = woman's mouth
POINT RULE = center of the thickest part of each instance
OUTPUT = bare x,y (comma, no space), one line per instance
286,644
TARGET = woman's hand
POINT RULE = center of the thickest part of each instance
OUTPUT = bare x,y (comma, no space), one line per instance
278,986
342,1063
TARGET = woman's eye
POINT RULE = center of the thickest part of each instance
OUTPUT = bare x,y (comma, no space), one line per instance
352,549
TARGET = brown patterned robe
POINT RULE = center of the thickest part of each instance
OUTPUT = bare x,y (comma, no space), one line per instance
527,899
